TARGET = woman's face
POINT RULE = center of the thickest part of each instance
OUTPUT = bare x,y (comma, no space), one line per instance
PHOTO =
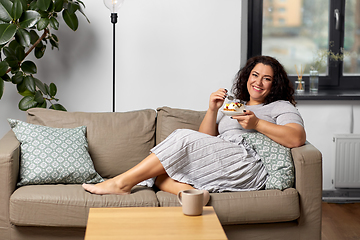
259,83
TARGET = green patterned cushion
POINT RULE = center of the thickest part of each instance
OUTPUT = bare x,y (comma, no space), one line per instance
53,155
276,158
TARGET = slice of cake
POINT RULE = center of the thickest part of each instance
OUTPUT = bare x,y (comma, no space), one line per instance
233,106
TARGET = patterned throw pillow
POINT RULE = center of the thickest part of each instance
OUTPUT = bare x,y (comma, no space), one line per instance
53,155
276,158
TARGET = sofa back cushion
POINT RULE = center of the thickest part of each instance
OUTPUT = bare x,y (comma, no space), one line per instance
170,119
117,141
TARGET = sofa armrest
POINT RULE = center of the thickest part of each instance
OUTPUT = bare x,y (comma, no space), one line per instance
9,170
308,183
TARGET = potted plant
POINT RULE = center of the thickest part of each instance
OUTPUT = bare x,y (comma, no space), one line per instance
320,58
27,26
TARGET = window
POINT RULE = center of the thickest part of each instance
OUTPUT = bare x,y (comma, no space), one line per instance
301,32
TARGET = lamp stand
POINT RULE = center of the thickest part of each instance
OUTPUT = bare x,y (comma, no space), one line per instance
114,21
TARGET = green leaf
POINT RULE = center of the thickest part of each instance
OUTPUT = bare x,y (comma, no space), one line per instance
5,10
24,4
17,78
73,7
23,37
12,61
20,53
29,67
43,14
17,51
34,36
43,105
27,103
4,66
26,93
29,19
7,32
43,5
70,19
80,3
8,51
43,23
41,86
53,90
54,41
47,89
51,7
39,97
58,107
21,87
54,23
33,6
17,9
82,11
14,45
58,5
39,51
15,69
6,78
2,86
30,84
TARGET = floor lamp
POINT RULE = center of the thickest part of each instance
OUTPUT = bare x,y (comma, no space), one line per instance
113,6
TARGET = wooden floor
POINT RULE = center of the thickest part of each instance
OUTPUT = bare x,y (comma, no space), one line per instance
340,221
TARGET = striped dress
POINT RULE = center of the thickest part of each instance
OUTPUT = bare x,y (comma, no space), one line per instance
222,163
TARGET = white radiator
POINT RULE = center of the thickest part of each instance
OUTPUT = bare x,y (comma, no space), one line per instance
347,160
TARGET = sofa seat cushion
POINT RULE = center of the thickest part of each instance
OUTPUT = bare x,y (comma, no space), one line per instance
68,205
117,141
262,206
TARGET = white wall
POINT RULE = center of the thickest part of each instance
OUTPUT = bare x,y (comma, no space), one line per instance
168,52
323,119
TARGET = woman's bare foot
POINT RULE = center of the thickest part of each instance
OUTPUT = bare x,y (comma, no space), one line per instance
111,186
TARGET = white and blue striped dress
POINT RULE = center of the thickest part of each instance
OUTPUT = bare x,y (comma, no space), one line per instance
222,163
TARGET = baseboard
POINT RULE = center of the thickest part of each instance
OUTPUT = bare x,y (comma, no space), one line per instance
341,195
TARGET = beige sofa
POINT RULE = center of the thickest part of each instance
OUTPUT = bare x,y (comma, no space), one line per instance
117,141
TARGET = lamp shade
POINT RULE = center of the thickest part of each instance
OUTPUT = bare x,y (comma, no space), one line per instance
113,5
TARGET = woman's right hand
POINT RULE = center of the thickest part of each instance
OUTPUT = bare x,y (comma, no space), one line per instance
208,124
217,99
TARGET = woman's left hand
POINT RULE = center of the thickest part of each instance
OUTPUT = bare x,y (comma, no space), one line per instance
248,120
289,135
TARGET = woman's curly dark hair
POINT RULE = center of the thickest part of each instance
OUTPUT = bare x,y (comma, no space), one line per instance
281,89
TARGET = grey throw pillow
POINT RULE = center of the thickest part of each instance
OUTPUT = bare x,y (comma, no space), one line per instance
53,155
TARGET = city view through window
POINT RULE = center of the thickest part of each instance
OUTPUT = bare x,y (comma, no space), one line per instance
296,32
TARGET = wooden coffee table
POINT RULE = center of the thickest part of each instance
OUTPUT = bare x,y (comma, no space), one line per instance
152,223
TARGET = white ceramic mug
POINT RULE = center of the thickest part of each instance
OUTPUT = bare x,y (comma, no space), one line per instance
191,201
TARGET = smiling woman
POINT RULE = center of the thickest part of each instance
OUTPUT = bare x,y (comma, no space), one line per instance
263,83
272,71
259,83
218,158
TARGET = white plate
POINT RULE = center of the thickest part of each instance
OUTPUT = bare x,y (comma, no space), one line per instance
235,113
